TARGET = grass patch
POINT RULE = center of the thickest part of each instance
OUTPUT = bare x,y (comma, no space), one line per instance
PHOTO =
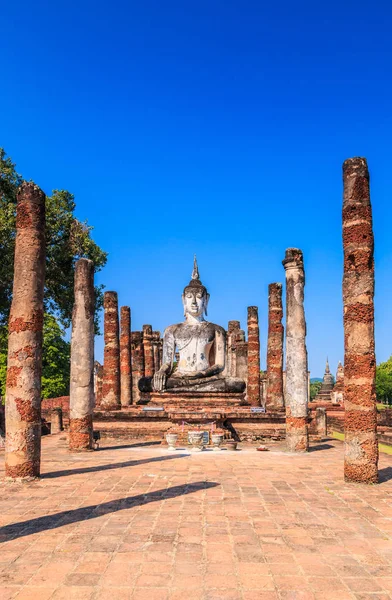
382,447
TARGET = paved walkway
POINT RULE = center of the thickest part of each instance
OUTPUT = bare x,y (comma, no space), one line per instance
143,523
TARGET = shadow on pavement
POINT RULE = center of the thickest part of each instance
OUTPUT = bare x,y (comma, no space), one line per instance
120,465
66,517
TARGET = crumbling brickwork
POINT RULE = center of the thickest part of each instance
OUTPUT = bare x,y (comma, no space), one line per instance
296,391
361,448
125,356
253,385
157,349
82,359
23,394
275,347
148,351
137,362
98,373
111,394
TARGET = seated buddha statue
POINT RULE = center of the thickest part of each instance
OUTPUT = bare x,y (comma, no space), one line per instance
201,346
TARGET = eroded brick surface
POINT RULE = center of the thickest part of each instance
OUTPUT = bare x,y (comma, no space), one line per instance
296,388
275,347
111,388
253,380
125,356
82,398
361,454
23,395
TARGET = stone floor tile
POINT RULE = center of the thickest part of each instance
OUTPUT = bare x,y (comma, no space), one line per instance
34,593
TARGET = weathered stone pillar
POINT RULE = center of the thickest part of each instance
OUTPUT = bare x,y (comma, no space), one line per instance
232,333
125,356
296,392
253,385
321,422
137,361
111,398
275,397
23,393
98,372
148,351
241,357
81,395
56,420
156,341
360,423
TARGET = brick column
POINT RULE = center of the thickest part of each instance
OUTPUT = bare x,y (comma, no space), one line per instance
98,383
81,395
275,347
137,362
156,340
296,392
111,360
253,386
23,393
360,423
321,422
56,420
125,356
232,332
148,351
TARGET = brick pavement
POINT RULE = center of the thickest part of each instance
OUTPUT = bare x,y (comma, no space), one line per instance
143,523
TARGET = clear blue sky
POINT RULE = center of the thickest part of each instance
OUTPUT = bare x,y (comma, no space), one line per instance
217,127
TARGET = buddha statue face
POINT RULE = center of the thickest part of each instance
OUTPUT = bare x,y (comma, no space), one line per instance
195,301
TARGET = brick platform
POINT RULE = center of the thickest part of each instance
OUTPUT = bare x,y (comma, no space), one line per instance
139,522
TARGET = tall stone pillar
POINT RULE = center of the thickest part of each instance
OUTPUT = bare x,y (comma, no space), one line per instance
23,388
253,385
81,395
275,397
156,340
56,420
125,356
296,392
360,423
111,358
137,362
98,372
232,333
321,422
148,351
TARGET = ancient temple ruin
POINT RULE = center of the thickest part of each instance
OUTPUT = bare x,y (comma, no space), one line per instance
197,374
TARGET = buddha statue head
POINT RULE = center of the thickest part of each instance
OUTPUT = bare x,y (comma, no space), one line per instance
195,296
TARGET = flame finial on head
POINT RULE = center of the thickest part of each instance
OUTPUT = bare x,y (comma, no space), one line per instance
195,272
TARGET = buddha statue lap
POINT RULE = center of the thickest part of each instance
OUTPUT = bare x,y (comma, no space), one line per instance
202,350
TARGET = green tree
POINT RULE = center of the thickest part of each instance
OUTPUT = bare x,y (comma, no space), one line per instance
67,240
55,360
315,387
384,382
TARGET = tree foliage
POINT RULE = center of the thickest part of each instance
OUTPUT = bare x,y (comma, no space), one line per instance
315,387
384,382
55,359
67,240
